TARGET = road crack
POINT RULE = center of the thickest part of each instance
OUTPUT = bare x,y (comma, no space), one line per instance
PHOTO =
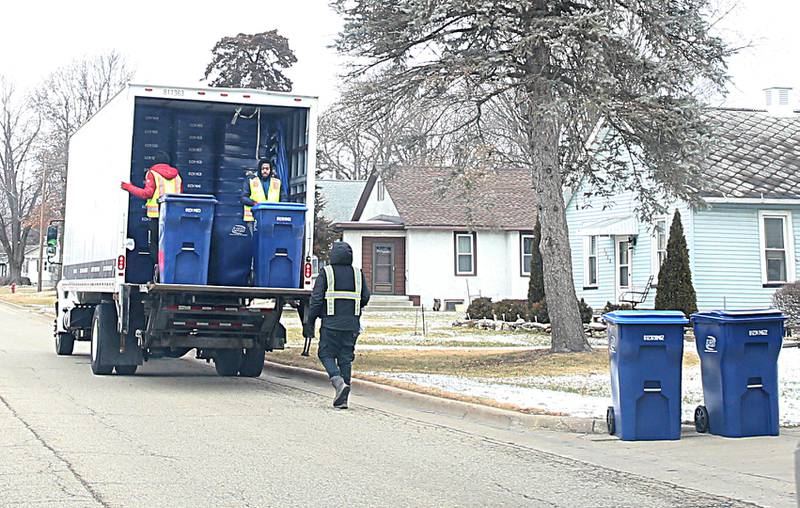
94,494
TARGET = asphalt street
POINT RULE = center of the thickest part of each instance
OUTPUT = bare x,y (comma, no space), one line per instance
176,434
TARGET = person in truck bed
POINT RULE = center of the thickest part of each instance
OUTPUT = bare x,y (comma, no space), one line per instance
160,179
260,188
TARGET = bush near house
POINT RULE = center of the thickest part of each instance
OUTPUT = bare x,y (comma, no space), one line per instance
611,307
536,283
511,310
675,290
480,308
787,299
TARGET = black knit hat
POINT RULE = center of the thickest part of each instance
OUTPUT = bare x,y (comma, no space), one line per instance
162,158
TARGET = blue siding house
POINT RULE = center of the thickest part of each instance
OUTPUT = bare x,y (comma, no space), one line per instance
742,244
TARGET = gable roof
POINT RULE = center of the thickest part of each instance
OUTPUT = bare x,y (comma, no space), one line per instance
756,155
341,197
437,197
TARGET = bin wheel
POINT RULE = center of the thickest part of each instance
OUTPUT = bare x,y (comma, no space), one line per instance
701,419
610,422
156,273
65,342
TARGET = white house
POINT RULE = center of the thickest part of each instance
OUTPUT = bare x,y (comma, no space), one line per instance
743,243
427,234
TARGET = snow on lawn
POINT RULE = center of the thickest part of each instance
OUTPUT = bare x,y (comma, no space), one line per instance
590,395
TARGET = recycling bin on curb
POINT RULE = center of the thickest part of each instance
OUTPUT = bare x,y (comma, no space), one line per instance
645,350
184,238
739,365
278,254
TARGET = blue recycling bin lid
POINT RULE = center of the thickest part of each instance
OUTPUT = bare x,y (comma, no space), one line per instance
205,198
739,316
646,317
285,207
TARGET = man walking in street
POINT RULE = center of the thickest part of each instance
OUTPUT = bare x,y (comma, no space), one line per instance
340,293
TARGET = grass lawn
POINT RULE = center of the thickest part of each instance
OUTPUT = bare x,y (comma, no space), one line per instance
26,295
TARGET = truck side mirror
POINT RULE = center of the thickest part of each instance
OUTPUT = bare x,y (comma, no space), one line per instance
52,240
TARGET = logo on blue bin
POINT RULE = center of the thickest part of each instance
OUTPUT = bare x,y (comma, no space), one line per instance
711,344
653,338
239,230
612,343
193,210
758,333
283,219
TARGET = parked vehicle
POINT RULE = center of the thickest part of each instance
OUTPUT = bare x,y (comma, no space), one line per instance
107,294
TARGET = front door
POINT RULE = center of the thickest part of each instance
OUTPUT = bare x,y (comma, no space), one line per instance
623,255
383,269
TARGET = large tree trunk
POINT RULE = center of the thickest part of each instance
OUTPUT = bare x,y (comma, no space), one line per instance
562,303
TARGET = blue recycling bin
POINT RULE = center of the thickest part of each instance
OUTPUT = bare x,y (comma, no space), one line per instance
645,350
739,364
184,237
278,255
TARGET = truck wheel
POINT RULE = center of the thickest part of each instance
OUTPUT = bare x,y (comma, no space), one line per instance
104,331
126,370
701,419
228,361
65,343
252,362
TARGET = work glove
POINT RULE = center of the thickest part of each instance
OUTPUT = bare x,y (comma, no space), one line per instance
308,330
125,186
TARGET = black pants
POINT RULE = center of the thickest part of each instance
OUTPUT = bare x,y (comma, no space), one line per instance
337,352
152,239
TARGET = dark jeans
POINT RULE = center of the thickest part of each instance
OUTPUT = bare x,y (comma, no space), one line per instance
152,239
337,352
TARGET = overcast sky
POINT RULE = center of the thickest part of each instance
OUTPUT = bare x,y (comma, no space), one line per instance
171,44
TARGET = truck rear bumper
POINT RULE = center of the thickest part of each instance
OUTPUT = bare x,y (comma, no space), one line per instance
237,291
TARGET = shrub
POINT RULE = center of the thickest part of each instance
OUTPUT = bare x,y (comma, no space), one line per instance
480,308
536,282
611,307
787,299
510,310
675,290
538,312
585,311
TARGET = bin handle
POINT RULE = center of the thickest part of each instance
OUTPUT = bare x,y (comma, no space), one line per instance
188,246
652,387
754,382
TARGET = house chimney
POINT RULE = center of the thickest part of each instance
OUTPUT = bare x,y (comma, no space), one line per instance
780,100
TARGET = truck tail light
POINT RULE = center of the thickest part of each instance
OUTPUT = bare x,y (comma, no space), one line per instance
307,274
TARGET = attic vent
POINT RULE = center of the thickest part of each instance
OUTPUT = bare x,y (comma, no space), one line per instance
783,97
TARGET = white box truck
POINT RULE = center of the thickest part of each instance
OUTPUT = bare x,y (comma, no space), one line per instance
103,298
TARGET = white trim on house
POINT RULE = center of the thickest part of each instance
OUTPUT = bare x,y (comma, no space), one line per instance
788,244
655,265
525,268
754,201
612,227
459,254
587,260
618,287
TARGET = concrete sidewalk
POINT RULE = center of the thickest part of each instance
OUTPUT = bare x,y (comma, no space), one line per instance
756,470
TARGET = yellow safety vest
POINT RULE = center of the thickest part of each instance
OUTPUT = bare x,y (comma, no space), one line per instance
257,194
331,294
163,186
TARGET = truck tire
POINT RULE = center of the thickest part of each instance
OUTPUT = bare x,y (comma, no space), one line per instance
252,362
104,334
228,361
126,370
65,343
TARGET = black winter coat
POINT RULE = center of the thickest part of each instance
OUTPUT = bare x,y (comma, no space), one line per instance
344,317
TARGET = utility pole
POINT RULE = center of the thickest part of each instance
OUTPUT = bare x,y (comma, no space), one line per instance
42,233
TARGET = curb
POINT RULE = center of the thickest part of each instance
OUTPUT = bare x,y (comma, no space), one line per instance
459,409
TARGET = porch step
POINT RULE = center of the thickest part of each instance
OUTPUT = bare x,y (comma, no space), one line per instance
389,303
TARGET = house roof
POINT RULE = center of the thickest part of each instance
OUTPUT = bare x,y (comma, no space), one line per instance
756,155
341,197
439,197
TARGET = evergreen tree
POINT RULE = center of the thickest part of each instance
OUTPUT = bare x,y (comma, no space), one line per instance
536,284
252,61
675,290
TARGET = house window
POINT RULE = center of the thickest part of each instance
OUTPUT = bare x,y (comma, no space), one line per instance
590,261
381,191
526,253
777,247
464,253
660,238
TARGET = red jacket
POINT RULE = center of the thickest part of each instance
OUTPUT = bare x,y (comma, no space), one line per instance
164,170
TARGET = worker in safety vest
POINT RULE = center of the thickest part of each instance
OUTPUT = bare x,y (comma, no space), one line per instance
260,188
160,179
340,293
